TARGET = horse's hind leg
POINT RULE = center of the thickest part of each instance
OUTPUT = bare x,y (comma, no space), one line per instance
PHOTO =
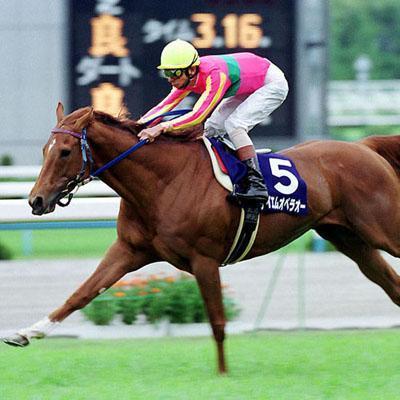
369,260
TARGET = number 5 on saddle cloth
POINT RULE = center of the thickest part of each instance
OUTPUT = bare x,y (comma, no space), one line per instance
287,191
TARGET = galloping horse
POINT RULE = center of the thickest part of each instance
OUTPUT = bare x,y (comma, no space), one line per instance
172,208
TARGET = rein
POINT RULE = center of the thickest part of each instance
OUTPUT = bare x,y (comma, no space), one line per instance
79,180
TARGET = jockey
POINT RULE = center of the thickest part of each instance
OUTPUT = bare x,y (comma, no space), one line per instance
239,90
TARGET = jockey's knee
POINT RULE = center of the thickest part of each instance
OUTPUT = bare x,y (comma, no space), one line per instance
212,129
210,132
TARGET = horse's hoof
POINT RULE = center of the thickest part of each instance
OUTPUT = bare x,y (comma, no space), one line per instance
16,340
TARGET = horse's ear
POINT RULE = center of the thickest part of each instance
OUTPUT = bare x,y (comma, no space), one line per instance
60,111
83,121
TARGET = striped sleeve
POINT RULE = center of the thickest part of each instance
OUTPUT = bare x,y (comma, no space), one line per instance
173,98
216,86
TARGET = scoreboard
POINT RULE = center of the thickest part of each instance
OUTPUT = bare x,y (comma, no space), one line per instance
115,47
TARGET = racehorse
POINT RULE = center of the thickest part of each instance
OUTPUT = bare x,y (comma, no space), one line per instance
172,208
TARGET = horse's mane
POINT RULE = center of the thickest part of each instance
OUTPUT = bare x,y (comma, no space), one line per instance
121,122
125,123
386,146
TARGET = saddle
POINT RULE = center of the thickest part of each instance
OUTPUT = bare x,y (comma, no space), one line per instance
288,192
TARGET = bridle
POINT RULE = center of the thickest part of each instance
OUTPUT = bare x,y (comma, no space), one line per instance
79,180
87,160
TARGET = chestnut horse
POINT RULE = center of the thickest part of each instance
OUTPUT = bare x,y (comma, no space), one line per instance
172,208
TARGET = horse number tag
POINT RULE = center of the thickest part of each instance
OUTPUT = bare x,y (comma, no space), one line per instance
287,190
276,165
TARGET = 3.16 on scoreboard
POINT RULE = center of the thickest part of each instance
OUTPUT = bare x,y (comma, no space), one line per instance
115,46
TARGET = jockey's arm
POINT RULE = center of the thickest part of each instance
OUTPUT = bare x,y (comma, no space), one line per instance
216,86
173,98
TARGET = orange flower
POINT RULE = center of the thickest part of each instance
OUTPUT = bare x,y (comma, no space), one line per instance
121,284
119,294
155,290
169,279
137,282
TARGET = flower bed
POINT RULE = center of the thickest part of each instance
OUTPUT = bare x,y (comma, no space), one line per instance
175,299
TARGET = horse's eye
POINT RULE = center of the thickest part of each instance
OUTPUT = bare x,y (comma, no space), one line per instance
65,153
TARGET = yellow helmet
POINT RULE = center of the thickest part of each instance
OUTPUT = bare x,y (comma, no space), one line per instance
179,54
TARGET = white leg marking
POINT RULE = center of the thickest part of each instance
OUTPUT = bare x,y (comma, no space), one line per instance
40,329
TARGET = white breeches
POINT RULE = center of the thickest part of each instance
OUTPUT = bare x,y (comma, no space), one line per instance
236,115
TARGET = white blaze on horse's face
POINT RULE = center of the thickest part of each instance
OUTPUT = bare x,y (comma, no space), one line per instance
51,145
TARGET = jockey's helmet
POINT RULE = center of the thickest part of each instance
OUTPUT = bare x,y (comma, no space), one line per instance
179,54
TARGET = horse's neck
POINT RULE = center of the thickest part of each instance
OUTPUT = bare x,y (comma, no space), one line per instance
139,178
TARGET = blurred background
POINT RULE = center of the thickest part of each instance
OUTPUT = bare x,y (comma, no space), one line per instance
341,59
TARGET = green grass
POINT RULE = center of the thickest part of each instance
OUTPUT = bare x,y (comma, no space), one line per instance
60,243
75,243
346,365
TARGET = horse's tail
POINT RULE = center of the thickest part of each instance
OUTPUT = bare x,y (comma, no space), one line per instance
386,146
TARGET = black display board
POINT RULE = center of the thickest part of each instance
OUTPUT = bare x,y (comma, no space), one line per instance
115,46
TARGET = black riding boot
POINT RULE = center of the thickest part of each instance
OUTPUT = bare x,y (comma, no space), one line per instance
255,189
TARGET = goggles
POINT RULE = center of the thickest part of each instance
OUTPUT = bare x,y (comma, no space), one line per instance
173,73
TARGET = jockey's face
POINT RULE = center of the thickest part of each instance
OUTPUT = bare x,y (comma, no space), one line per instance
182,81
178,83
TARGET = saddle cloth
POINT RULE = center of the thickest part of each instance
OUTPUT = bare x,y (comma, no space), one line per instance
287,190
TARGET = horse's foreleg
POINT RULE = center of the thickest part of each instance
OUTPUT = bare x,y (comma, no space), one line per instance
119,260
207,275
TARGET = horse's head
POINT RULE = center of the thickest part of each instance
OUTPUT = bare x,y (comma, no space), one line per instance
62,160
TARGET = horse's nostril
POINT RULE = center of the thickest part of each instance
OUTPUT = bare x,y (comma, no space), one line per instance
37,203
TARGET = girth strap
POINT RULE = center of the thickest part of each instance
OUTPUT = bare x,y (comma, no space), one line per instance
245,235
